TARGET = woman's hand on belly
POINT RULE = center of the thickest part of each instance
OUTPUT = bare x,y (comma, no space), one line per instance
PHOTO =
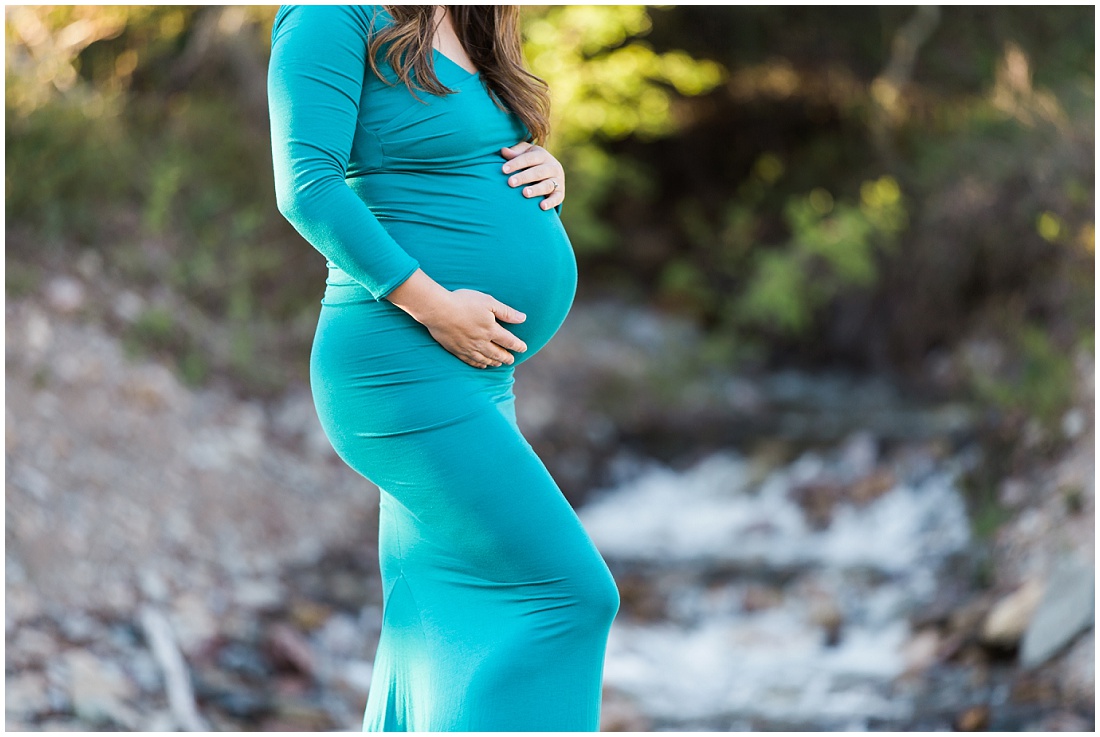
464,321
537,168
466,325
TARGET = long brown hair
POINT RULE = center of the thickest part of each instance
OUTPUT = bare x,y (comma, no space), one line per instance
490,35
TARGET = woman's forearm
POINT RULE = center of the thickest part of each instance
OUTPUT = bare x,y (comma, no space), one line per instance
420,295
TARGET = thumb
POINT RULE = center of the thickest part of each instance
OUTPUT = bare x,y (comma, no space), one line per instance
506,313
515,149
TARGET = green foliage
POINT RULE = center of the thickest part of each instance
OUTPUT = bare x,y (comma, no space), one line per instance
607,84
605,81
66,162
1038,382
21,278
154,329
831,248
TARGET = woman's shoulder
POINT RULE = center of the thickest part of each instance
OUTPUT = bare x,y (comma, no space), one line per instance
364,18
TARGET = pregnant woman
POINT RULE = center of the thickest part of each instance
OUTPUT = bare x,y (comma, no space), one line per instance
443,277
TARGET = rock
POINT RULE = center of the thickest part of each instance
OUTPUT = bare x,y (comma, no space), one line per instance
146,673
79,628
620,713
261,594
1074,422
159,721
340,636
128,306
872,486
242,704
152,584
308,614
1006,622
370,621
154,387
90,263
1076,674
356,674
974,719
1063,721
289,646
817,499
307,715
39,334
1012,493
1065,611
758,596
294,418
921,651
56,725
65,294
20,604
31,480
291,684
25,696
31,647
192,622
858,455
98,688
244,659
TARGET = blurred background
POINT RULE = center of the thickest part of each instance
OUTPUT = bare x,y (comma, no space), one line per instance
825,401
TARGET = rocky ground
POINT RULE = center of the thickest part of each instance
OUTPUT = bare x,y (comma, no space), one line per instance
186,559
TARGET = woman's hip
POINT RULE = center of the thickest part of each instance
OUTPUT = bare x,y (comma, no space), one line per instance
375,371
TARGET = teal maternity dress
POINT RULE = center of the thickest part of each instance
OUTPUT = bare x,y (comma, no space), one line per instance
497,605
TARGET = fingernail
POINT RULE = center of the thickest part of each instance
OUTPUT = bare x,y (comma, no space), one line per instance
507,168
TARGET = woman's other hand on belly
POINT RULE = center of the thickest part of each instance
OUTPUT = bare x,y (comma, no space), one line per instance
464,321
536,169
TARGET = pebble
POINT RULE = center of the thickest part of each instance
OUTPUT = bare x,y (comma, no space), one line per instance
25,695
98,689
1066,610
65,294
1006,622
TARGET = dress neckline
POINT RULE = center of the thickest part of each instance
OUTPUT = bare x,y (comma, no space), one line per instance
455,64
437,54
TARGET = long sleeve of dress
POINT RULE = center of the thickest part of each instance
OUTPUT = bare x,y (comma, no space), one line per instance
314,84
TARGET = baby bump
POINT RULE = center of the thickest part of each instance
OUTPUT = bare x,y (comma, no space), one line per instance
534,272
470,230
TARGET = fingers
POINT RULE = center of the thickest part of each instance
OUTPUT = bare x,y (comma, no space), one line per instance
483,342
538,173
508,340
514,150
496,352
506,313
530,157
479,359
545,187
553,196
490,355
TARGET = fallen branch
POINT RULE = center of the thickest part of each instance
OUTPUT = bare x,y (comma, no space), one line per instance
177,682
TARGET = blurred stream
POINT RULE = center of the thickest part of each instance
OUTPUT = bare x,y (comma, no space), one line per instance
741,611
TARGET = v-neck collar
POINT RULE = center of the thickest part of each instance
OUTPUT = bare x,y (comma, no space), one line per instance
439,54
455,64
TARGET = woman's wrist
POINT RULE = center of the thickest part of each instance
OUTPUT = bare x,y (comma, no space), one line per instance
420,296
